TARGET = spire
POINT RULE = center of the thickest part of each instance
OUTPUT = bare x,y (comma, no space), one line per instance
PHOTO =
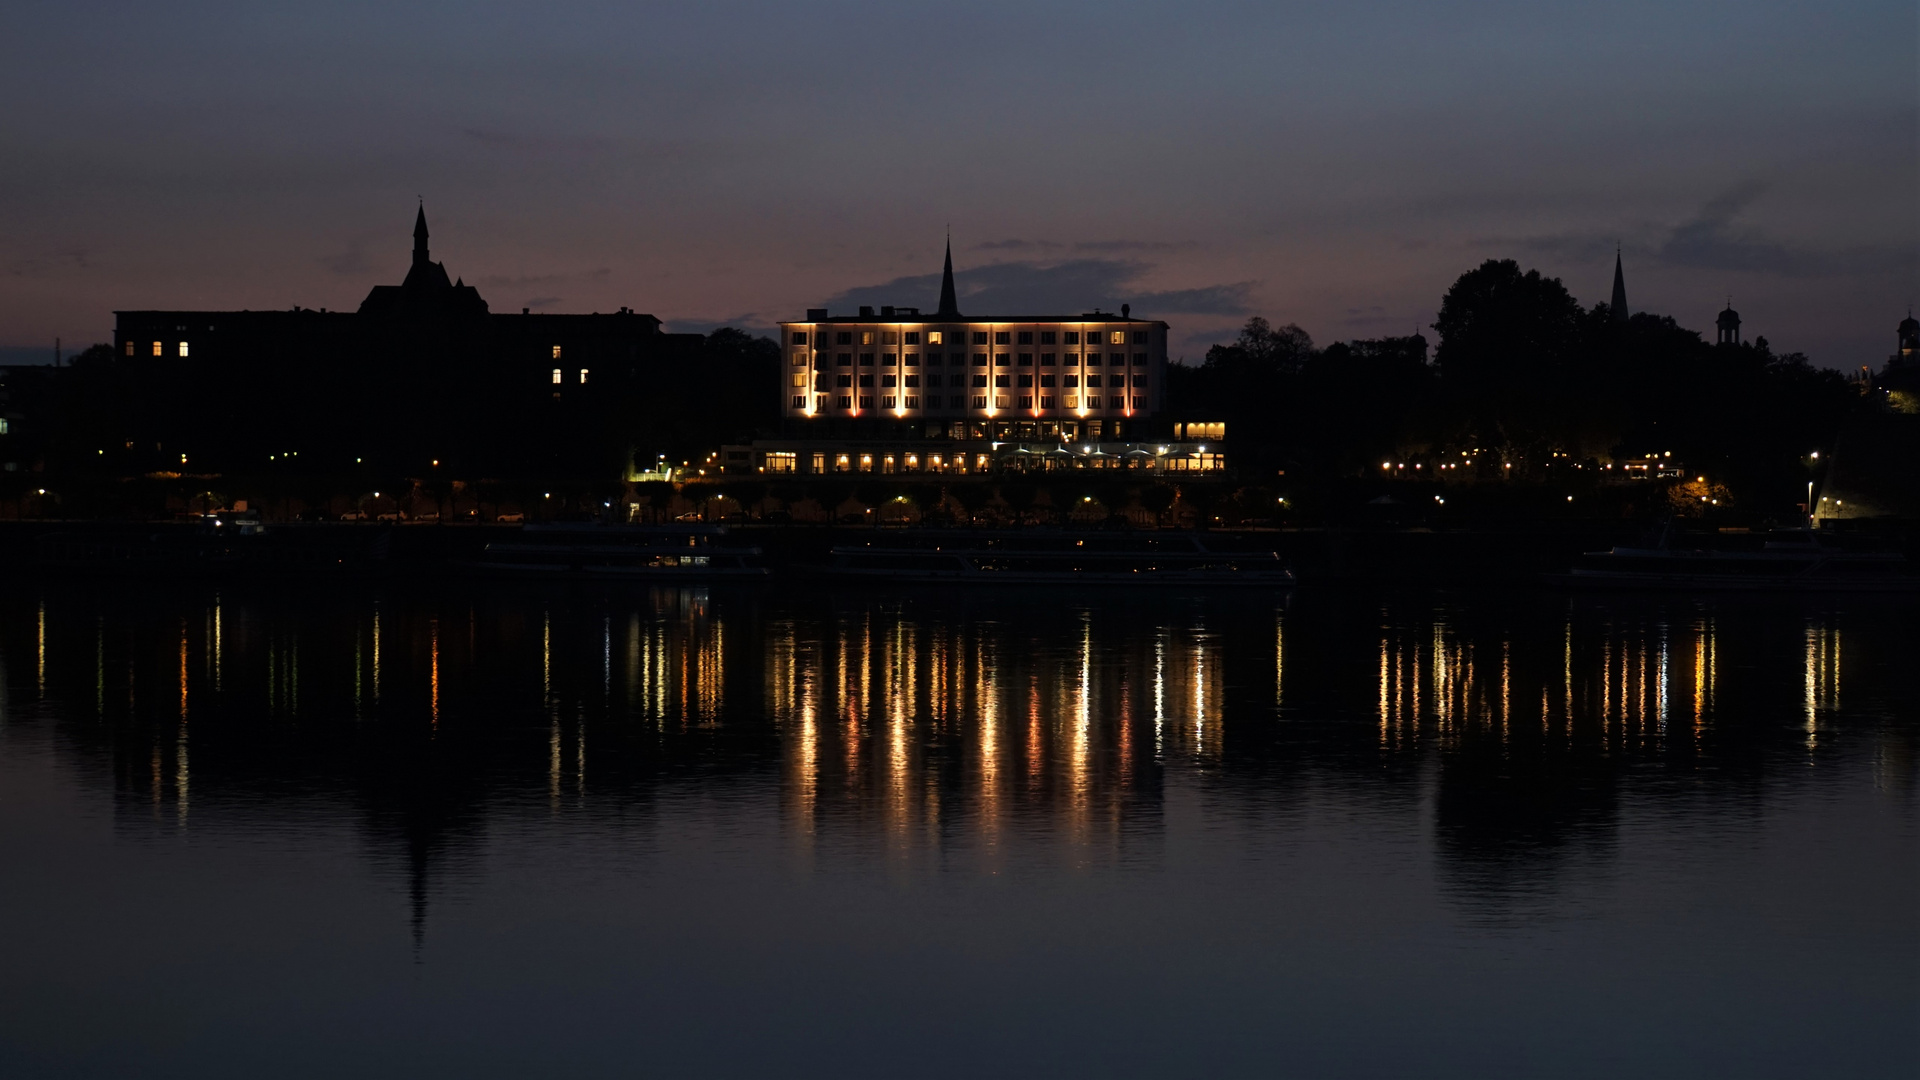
420,236
949,303
1619,304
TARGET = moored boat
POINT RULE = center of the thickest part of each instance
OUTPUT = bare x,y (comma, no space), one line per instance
1798,560
697,552
1044,558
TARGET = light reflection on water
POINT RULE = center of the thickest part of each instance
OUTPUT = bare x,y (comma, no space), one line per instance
1474,765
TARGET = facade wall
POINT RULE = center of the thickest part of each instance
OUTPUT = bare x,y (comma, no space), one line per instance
1039,368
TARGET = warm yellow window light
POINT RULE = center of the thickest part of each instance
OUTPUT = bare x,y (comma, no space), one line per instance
183,348
583,376
558,377
159,349
556,352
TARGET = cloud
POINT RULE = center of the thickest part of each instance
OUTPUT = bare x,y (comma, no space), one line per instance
48,262
752,322
501,281
349,263
1711,241
1034,288
1016,245
1132,245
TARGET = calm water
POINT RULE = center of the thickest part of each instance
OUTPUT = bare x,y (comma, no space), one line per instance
257,832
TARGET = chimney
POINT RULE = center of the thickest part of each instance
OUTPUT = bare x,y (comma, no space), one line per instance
866,312
886,313
815,313
1126,311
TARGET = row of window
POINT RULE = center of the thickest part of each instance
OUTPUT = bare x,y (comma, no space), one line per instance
560,376
1067,381
1092,359
954,337
979,401
159,348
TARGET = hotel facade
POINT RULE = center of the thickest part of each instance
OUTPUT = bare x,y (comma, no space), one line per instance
891,390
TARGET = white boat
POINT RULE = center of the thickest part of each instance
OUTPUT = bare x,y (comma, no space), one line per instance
636,552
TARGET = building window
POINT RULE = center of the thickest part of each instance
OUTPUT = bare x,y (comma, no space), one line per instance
843,380
799,378
1139,403
819,463
799,337
159,349
1140,337
800,358
845,401
1070,381
1093,380
583,376
889,360
556,352
782,461
1046,337
1073,401
799,401
1119,359
1001,337
889,380
1001,380
866,359
1046,402
1139,359
1046,359
979,401
1002,401
886,401
866,337
1026,359
913,359
1093,359
865,379
979,337
1000,359
979,359
979,380
845,359
1026,401
913,380
129,348
1047,380
1026,380
935,337
183,348
1070,337
911,337
1119,337
913,402
1026,337
558,378
844,337
1116,403
842,463
866,401
890,337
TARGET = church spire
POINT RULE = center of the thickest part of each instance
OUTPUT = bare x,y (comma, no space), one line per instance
420,237
949,302
1619,304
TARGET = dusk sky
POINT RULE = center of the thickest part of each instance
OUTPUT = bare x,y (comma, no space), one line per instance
1334,165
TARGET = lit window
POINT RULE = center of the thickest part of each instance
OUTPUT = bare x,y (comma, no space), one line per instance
556,352
935,337
129,348
557,377
1002,401
1119,337
800,358
890,337
183,348
159,349
799,378
583,376
866,337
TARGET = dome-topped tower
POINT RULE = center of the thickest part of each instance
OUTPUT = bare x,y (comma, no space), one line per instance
1729,324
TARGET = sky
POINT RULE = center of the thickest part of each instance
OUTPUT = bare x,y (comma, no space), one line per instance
1334,165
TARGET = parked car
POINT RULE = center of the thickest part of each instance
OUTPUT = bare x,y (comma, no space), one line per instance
395,516
509,518
354,515
431,515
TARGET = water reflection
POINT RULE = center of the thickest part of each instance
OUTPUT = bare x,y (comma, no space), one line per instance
953,728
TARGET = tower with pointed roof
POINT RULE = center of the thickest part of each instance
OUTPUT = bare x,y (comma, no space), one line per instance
1619,303
949,301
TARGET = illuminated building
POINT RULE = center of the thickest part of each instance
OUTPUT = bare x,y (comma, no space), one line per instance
895,391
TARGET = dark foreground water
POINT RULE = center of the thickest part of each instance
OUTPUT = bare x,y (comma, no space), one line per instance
533,832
